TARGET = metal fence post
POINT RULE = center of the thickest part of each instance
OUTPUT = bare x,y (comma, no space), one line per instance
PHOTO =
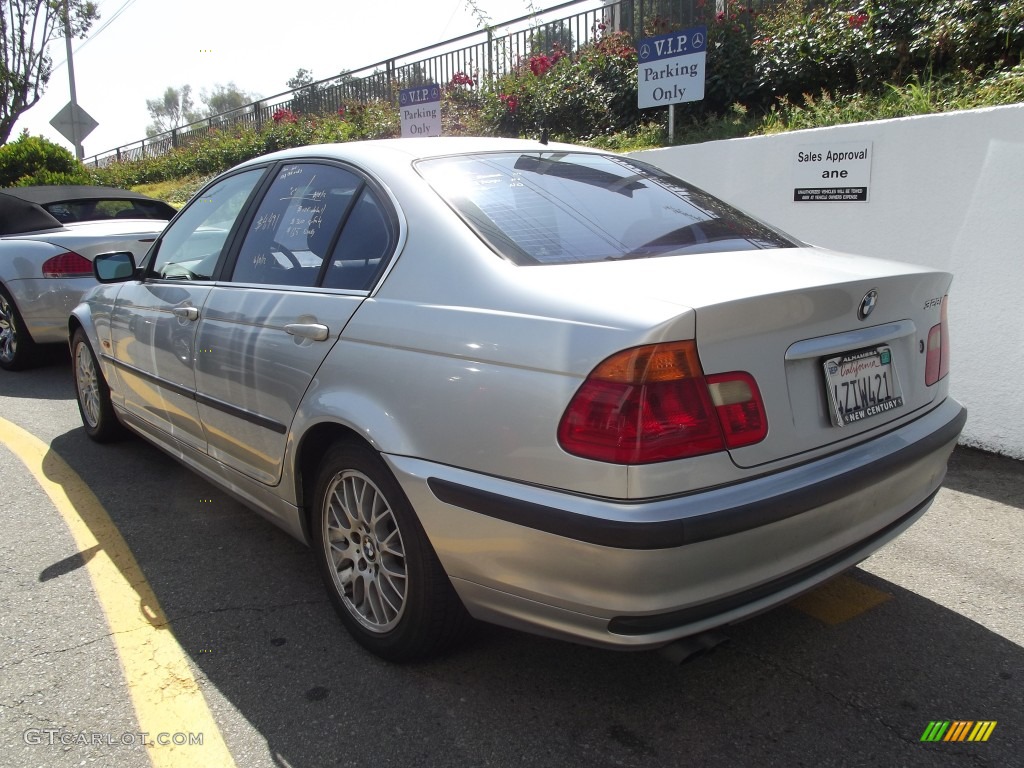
490,55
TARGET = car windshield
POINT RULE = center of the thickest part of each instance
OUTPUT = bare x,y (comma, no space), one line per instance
563,207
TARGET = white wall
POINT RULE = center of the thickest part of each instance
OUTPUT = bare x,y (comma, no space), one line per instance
945,191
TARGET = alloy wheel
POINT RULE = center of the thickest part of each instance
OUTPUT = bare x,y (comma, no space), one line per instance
87,382
8,331
364,548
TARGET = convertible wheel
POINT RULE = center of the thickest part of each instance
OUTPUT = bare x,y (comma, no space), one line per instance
92,392
17,349
381,572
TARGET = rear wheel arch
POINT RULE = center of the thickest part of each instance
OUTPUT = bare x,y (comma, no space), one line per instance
313,444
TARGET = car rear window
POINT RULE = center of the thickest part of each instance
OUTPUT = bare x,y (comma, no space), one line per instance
563,207
71,211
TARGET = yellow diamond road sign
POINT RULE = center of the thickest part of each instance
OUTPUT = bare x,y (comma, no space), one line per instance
62,121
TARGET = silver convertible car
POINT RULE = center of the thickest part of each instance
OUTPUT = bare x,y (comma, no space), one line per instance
48,236
534,384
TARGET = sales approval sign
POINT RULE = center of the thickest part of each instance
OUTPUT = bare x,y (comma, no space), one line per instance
671,68
832,173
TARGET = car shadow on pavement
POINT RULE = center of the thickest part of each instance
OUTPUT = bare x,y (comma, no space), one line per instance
988,475
245,603
50,379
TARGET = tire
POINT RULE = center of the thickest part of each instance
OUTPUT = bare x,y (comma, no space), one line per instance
17,349
92,393
382,575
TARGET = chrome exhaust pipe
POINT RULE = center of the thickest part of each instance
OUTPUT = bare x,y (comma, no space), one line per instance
689,648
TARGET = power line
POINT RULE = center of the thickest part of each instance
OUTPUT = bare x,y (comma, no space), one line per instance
124,6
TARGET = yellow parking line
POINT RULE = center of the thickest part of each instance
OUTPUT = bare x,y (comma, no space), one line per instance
839,600
168,702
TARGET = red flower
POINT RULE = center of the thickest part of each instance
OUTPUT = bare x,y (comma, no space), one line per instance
540,64
284,116
601,26
461,78
720,16
857,20
510,102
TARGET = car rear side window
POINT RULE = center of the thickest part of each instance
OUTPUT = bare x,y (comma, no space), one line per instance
563,207
296,225
318,225
363,247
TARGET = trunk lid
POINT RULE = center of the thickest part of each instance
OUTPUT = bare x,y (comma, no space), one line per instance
781,314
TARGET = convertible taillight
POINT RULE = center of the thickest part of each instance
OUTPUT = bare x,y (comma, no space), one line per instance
653,403
67,264
936,366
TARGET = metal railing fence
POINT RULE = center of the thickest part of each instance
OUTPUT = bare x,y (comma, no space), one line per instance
482,56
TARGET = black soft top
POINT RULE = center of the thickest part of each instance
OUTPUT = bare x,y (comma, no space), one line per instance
24,209
68,192
18,215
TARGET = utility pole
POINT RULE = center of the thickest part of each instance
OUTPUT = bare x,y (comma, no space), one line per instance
76,137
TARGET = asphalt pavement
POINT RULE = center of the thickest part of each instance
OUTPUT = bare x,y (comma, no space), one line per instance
930,628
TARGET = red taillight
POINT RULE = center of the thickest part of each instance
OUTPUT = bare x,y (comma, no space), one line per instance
68,264
936,366
654,403
740,409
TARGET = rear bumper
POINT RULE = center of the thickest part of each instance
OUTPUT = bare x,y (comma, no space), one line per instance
641,574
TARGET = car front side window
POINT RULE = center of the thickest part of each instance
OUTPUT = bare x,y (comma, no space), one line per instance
192,245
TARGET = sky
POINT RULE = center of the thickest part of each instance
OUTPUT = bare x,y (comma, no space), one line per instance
148,45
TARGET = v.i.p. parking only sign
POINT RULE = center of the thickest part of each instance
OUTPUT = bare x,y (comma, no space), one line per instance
671,68
420,110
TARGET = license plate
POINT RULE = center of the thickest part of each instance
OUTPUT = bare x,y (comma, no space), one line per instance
861,385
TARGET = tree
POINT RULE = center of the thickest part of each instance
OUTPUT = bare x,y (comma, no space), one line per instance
225,98
173,110
307,96
28,27
550,37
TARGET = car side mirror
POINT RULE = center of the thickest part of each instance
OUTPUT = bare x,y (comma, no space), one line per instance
114,267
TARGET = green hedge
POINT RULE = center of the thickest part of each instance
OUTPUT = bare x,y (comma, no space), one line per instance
32,160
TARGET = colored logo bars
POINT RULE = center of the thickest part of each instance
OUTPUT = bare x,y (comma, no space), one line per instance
958,730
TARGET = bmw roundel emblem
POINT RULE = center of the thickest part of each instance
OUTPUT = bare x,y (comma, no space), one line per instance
867,304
